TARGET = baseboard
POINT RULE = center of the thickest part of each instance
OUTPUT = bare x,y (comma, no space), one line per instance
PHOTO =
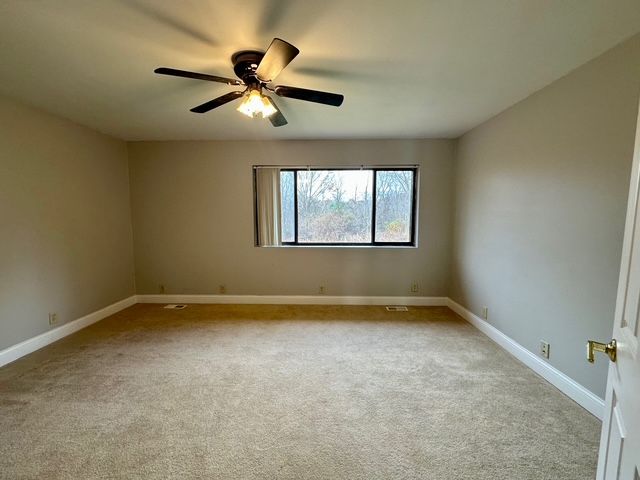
21,349
568,386
584,397
294,300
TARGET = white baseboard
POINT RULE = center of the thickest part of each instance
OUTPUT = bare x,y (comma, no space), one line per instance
584,397
294,300
21,349
568,386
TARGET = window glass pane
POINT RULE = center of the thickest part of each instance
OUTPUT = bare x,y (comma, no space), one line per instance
287,203
394,194
334,206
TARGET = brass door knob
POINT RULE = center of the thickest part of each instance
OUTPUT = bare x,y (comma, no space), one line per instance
608,348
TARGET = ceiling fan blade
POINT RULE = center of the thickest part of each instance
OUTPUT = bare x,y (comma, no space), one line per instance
278,55
326,98
216,102
277,119
198,76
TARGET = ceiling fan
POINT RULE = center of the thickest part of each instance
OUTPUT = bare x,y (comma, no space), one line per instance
256,70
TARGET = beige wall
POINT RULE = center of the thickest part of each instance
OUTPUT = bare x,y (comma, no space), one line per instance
540,200
65,228
194,227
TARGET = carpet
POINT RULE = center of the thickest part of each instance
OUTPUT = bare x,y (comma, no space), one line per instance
286,392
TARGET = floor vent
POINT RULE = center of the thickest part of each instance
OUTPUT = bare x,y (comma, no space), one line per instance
397,308
173,306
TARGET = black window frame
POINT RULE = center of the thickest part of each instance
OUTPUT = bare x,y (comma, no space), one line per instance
373,243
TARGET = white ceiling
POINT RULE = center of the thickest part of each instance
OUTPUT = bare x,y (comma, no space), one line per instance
407,68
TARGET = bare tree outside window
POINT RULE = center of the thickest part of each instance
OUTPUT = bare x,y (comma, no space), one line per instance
287,184
366,206
334,206
394,196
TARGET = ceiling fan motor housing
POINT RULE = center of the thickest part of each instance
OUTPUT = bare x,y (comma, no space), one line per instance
245,63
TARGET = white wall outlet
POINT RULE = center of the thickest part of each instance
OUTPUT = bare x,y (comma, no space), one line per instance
53,318
322,290
485,312
162,289
544,349
222,289
414,288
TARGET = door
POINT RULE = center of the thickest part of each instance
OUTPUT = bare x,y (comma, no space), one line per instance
619,457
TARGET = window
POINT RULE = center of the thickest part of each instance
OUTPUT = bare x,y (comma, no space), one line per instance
338,206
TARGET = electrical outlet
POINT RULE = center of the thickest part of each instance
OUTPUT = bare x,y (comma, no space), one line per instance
544,349
53,318
162,289
414,288
322,291
485,312
222,289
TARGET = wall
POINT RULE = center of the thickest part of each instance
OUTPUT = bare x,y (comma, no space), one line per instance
540,200
192,205
65,229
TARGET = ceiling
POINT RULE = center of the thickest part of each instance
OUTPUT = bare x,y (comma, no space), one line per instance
407,68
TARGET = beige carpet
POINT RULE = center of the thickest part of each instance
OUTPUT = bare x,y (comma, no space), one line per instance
286,392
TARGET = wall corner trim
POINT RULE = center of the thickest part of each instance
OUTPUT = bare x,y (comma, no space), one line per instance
579,394
30,345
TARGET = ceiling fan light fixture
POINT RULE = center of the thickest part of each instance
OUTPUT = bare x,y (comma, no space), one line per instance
268,108
255,104
251,103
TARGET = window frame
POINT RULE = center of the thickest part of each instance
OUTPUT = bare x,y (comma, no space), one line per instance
412,242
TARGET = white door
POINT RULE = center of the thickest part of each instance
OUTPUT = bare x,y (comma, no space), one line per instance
619,457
